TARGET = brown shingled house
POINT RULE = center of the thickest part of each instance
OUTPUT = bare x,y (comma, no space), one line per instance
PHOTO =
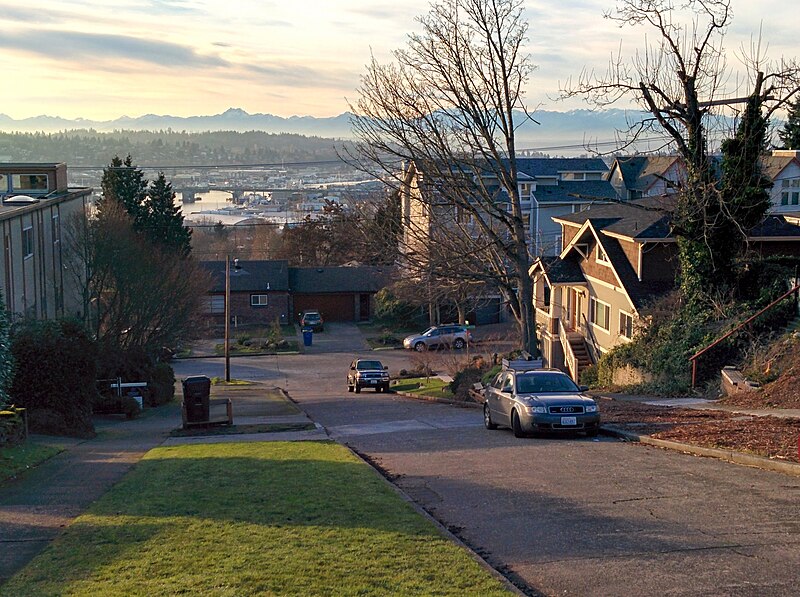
615,260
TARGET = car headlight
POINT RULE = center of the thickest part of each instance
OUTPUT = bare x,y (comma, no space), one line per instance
539,410
592,408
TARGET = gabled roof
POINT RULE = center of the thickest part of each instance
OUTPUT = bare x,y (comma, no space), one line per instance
640,172
643,219
554,166
773,165
559,271
776,226
569,191
339,279
253,276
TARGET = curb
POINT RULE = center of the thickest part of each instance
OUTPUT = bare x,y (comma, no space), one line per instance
788,468
447,533
421,398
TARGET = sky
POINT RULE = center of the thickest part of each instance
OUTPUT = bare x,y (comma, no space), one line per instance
104,59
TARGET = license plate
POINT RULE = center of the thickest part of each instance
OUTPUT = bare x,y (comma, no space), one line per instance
569,421
374,381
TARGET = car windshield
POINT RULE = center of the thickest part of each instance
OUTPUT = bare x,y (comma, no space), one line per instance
312,316
363,365
428,332
542,383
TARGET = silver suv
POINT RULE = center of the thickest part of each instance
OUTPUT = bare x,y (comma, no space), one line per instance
455,335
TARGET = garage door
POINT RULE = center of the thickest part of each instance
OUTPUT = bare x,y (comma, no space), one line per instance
334,307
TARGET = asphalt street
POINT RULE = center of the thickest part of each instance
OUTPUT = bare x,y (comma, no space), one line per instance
558,516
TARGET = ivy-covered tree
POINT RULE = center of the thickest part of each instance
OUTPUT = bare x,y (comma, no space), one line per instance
6,356
790,133
162,219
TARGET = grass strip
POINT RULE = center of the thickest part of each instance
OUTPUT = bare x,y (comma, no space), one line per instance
425,386
18,459
304,518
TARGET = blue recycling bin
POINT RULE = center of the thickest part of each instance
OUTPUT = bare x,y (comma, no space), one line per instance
308,336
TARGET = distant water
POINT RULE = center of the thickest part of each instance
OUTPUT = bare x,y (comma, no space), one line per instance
207,202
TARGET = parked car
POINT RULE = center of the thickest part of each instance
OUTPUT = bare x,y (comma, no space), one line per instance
542,400
455,335
313,320
367,373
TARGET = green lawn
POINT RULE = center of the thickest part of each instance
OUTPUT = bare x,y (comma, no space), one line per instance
304,518
20,458
430,386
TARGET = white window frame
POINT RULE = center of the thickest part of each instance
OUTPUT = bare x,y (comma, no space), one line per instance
18,187
28,242
593,303
256,300
56,224
630,318
602,258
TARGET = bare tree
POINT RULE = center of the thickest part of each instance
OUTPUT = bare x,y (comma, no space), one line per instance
681,81
448,107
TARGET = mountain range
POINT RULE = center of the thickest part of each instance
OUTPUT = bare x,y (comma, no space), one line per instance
554,129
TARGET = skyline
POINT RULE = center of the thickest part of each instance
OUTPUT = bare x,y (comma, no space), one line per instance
85,59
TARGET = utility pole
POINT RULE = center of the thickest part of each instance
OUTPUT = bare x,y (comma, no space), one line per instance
227,318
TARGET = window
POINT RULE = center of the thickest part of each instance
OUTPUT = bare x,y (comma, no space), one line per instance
573,176
258,300
601,256
625,325
600,313
56,229
27,242
784,197
29,182
216,303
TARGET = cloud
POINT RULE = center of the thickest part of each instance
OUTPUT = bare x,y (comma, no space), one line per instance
98,48
297,75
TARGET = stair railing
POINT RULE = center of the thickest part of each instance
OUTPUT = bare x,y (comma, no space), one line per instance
701,352
569,356
593,344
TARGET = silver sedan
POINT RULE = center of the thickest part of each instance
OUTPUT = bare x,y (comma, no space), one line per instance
541,400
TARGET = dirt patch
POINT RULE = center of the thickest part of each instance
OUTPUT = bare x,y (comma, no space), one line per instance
770,437
781,364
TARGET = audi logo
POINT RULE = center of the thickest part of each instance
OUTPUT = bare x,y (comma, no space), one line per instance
568,409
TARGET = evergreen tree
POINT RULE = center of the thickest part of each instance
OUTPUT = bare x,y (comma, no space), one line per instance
163,219
125,184
790,135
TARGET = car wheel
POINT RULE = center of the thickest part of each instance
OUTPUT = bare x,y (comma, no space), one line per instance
358,389
516,426
378,389
487,418
349,388
420,347
592,432
458,344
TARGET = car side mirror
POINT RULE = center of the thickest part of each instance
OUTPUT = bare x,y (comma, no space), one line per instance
386,367
583,388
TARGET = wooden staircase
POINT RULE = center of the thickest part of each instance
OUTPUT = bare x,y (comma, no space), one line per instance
581,351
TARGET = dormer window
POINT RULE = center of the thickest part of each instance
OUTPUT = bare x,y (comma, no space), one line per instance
602,257
29,183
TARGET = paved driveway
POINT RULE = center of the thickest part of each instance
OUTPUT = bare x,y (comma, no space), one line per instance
562,516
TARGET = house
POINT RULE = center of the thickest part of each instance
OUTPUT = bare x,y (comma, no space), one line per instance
782,167
40,278
259,292
615,260
547,187
339,293
551,187
638,176
263,292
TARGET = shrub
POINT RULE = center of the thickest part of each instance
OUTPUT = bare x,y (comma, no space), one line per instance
161,385
487,377
464,380
12,426
55,376
589,376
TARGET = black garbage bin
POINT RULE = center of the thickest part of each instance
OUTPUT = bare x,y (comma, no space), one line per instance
196,392
308,336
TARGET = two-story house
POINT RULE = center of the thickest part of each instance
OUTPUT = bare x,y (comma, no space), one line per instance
638,176
615,260
38,277
783,169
